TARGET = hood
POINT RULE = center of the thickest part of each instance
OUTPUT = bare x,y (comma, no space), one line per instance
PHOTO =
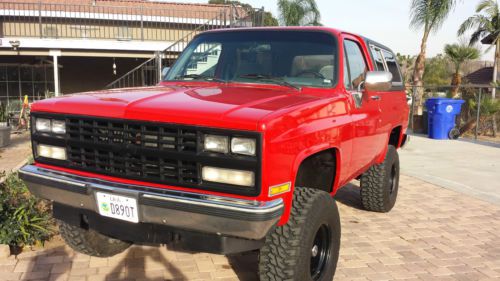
212,106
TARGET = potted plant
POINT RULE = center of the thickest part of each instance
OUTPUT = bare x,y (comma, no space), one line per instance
4,126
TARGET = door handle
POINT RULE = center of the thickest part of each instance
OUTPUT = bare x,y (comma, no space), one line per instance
375,97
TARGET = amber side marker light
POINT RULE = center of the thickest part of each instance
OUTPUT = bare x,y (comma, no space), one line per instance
279,189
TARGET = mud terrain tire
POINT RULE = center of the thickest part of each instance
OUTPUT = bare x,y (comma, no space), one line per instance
90,242
289,252
380,184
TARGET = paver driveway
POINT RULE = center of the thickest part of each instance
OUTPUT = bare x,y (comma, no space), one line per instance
432,234
16,154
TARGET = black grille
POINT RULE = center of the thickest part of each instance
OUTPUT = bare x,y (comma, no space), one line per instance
131,134
145,151
133,165
110,147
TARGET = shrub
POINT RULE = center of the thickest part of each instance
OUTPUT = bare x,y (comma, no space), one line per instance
24,220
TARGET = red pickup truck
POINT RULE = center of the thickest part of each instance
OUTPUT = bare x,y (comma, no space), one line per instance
241,147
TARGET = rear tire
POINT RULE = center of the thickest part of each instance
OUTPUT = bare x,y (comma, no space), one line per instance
380,184
307,247
90,242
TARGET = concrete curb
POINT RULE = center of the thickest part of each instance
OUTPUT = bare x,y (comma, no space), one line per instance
15,169
454,186
4,251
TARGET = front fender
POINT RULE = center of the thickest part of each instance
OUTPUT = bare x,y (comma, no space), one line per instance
285,150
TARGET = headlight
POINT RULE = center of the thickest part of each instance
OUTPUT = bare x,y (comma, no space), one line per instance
216,143
243,146
42,125
50,151
228,176
58,127
47,125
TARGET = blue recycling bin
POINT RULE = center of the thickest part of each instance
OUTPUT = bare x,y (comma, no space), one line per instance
442,116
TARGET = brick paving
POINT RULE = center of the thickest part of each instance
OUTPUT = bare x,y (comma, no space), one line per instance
432,234
16,153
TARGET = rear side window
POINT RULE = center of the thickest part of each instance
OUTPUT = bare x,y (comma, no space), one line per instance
392,66
385,60
378,59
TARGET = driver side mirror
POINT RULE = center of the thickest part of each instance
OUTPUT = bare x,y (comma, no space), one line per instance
378,81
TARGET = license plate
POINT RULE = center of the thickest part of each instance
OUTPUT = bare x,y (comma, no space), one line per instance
117,207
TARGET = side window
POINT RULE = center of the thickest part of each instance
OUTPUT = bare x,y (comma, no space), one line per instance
356,63
392,66
347,77
378,59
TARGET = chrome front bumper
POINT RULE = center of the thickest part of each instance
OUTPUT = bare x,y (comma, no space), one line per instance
189,211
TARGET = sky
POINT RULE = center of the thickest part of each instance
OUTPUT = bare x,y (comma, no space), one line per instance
385,21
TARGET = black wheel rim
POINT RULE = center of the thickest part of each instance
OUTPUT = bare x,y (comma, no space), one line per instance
392,179
320,251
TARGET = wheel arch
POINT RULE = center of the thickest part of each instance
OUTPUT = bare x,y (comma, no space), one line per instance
394,138
324,162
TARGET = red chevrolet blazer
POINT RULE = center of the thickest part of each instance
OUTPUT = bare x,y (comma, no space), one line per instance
241,147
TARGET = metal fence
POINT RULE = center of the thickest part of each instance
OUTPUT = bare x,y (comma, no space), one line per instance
150,72
100,21
480,114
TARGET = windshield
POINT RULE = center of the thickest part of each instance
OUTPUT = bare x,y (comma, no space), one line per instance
290,58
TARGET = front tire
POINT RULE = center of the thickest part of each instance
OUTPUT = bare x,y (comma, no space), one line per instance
307,247
380,184
90,242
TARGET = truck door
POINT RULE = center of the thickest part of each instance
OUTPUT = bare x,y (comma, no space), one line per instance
392,102
365,110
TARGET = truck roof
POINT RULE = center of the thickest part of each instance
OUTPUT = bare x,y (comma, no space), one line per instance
299,28
309,28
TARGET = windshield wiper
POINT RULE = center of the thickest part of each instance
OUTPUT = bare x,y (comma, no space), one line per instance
269,78
201,77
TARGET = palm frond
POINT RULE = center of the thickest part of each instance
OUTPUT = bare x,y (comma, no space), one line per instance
299,12
459,54
468,24
419,13
490,7
430,14
440,12
313,12
485,23
476,36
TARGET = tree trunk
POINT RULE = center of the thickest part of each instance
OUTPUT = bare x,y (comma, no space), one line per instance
418,73
495,69
494,90
455,83
469,125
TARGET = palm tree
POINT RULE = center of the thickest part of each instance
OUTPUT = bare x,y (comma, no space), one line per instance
299,12
485,23
429,15
459,54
